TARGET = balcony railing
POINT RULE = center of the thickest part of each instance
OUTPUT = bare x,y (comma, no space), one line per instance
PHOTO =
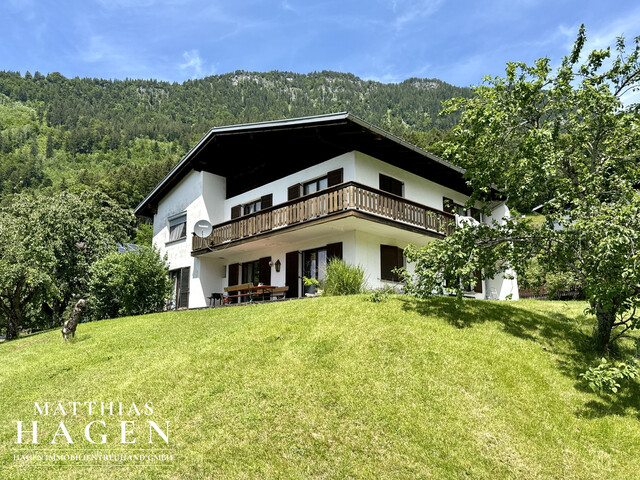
349,196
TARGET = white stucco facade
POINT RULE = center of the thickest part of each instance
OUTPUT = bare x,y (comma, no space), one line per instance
202,195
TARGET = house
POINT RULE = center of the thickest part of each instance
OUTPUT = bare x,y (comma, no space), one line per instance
285,196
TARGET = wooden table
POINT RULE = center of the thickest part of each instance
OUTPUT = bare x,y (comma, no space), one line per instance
261,290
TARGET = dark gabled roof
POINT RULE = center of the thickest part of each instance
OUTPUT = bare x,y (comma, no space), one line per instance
253,154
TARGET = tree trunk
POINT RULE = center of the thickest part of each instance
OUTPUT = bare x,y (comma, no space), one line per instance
605,318
12,329
11,315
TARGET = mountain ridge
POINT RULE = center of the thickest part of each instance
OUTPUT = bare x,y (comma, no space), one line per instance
122,136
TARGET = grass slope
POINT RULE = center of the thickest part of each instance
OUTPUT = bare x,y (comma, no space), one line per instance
338,388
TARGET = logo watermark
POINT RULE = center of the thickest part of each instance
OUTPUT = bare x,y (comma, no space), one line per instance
93,434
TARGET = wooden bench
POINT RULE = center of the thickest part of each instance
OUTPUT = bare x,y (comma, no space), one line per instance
238,291
279,292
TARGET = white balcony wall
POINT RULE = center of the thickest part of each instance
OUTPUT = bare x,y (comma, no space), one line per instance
416,188
279,187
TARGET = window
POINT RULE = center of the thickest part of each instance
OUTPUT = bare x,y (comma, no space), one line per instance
180,288
251,207
315,185
178,227
314,265
450,206
251,272
391,185
266,201
331,179
314,262
471,286
390,258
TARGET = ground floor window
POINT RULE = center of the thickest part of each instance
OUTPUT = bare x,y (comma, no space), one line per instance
391,258
472,286
180,292
314,266
251,272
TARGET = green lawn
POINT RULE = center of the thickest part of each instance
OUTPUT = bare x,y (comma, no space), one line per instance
336,388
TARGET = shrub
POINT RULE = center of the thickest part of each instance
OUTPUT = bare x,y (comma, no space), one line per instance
380,295
130,283
343,279
605,377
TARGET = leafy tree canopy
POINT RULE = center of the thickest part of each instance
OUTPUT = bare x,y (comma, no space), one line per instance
48,245
564,139
131,283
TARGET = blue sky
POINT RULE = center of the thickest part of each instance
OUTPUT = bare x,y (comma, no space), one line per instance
385,40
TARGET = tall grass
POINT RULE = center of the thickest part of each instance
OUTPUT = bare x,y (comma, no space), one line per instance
343,279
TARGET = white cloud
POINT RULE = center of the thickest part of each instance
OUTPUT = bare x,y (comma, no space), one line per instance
112,58
409,11
100,50
286,5
195,64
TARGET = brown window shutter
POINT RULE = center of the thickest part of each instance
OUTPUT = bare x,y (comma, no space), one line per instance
390,258
234,270
236,211
266,201
478,286
291,274
294,191
391,185
399,260
334,250
264,276
183,301
334,177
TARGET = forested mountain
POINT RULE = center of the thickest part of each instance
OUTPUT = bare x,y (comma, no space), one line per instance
122,137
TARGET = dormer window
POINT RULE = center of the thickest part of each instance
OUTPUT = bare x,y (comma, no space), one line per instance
178,227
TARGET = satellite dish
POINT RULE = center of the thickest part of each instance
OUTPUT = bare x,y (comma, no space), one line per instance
203,228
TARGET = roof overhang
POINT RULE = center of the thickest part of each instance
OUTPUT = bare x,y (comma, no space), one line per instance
253,154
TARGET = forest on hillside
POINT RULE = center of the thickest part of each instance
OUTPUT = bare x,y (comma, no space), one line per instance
122,136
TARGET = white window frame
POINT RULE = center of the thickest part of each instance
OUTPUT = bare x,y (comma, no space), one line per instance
316,181
174,221
257,202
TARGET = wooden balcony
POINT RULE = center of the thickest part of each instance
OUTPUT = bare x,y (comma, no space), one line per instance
333,201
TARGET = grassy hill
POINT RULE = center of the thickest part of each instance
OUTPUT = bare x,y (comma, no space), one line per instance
335,388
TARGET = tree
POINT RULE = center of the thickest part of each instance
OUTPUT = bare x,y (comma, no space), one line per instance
565,140
130,283
49,147
79,230
47,247
24,265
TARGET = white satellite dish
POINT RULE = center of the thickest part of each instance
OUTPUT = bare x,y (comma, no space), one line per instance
203,228
464,220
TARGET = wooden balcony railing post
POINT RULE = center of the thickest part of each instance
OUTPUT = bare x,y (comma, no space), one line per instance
327,202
